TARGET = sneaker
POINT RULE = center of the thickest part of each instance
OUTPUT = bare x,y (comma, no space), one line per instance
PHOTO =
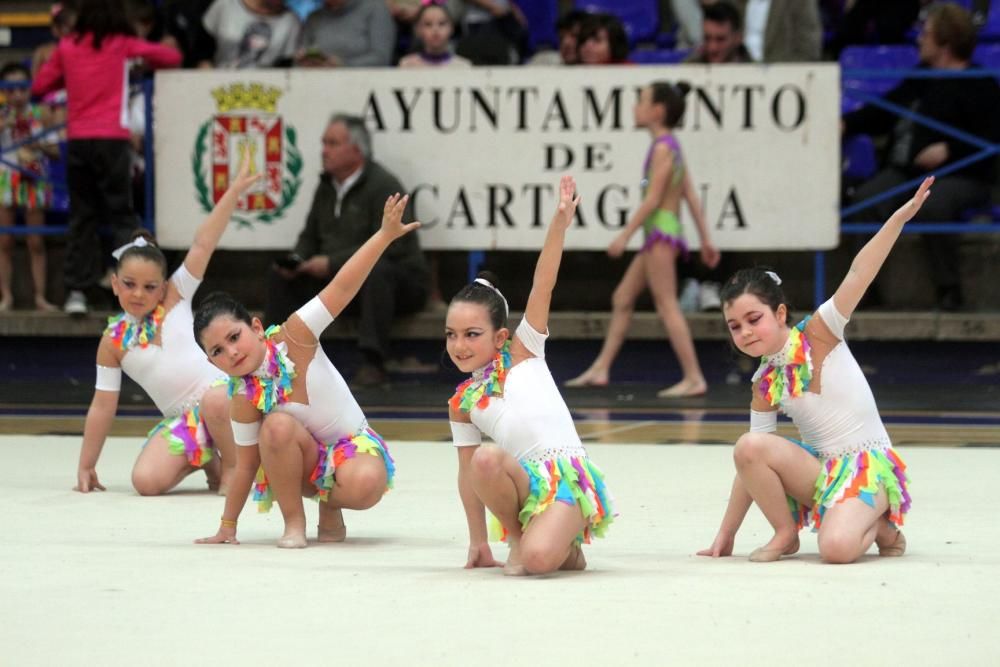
708,297
76,304
689,296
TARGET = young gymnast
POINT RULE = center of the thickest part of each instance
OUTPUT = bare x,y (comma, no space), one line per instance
298,429
666,182
538,458
152,342
845,477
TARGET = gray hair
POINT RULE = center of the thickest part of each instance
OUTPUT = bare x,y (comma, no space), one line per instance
357,131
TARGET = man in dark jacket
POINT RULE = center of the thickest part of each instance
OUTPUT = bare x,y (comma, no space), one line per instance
914,149
346,210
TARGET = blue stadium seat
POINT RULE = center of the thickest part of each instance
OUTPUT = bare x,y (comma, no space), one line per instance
987,55
659,56
857,155
873,57
990,32
542,16
640,17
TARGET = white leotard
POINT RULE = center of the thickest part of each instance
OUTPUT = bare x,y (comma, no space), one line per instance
530,421
843,418
175,373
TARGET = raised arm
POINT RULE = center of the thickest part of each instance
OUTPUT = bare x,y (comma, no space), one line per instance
207,236
709,253
869,260
100,417
662,162
547,268
345,285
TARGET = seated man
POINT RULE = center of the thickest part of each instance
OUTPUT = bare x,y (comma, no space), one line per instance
722,37
346,210
967,104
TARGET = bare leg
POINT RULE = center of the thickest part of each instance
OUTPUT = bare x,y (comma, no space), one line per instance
622,307
502,484
850,527
770,467
549,540
156,471
215,411
36,250
288,454
661,274
6,260
359,484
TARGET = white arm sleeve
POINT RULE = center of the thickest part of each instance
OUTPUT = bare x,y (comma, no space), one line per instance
763,422
833,319
315,316
186,284
245,435
531,339
465,435
109,378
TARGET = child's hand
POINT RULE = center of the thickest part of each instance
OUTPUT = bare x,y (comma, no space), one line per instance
244,179
568,201
481,556
617,247
392,217
722,546
710,255
224,536
906,212
86,481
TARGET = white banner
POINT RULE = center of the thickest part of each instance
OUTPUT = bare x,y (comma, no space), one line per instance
482,150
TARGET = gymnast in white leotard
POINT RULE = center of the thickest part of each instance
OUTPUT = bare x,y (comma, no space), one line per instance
151,340
298,429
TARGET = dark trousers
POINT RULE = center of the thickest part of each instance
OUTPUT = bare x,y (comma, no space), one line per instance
389,291
950,198
98,174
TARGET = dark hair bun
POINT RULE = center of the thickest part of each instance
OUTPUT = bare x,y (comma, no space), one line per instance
490,277
683,87
146,235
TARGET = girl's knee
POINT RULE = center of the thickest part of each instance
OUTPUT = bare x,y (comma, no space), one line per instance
622,301
838,547
539,558
750,448
487,462
146,483
36,246
215,405
278,430
369,484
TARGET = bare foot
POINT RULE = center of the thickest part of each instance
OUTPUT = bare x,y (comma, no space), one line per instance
44,306
575,559
684,389
513,566
212,477
589,378
294,540
331,526
775,549
892,548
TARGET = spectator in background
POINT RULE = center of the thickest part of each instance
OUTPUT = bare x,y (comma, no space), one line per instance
252,33
405,11
875,22
782,31
568,30
348,33
183,23
967,104
688,15
495,23
433,28
91,63
722,37
602,41
27,188
346,210
63,18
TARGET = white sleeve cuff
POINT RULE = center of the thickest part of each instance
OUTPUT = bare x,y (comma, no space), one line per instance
245,435
763,422
533,340
315,316
185,283
465,435
109,378
833,319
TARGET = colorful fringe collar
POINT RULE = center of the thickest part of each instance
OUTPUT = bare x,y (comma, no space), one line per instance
271,384
786,374
485,382
125,331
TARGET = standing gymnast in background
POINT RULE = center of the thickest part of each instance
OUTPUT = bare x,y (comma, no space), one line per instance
538,480
153,342
845,476
666,182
